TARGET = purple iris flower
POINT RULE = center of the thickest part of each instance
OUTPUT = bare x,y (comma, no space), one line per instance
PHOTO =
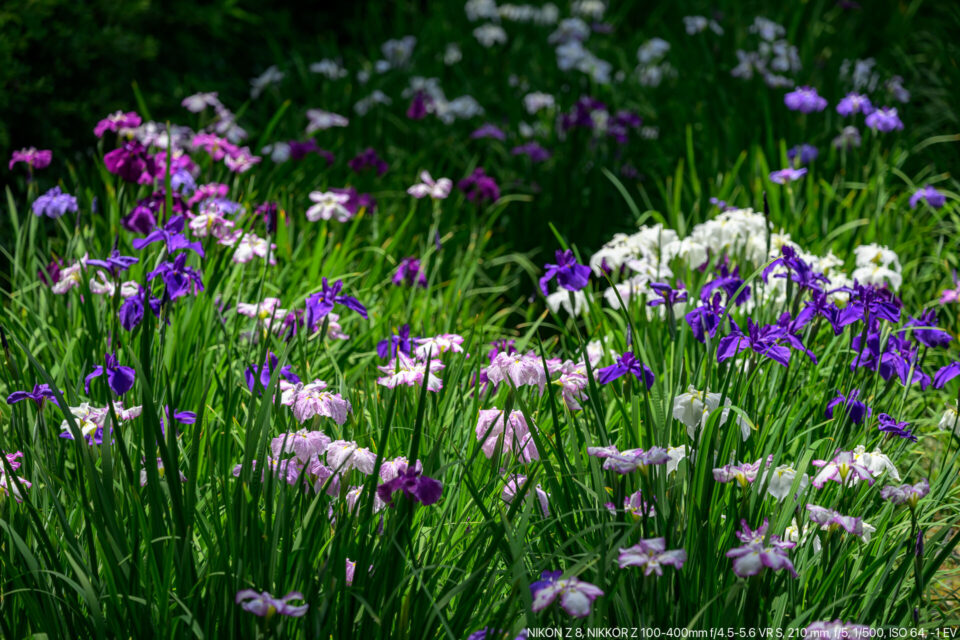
356,200
54,203
799,271
172,235
38,395
132,163
505,345
488,131
926,332
117,121
805,100
570,274
802,154
479,187
668,295
854,407
131,311
266,605
415,486
546,579
143,217
264,372
120,378
401,341
946,374
368,159
897,358
929,195
321,303
269,211
867,300
705,319
819,305
854,103
115,263
729,281
891,426
884,119
178,277
760,340
418,105
791,331
532,150
783,176
410,272
627,363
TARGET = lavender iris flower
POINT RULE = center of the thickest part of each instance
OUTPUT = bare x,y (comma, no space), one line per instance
321,303
627,363
266,605
532,150
54,203
802,154
805,100
854,103
415,486
488,131
929,195
120,378
783,176
761,340
131,311
410,272
570,274
479,187
884,119
172,235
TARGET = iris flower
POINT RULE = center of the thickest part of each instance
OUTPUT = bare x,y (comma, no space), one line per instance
570,274
266,606
120,378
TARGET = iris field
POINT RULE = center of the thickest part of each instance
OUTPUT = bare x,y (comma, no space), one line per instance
539,317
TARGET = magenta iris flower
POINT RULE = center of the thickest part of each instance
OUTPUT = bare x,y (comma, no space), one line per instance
627,363
761,340
570,274
805,100
32,157
410,272
783,176
929,195
120,378
884,119
39,394
132,163
414,485
418,108
266,606
54,203
171,234
479,187
117,121
321,303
